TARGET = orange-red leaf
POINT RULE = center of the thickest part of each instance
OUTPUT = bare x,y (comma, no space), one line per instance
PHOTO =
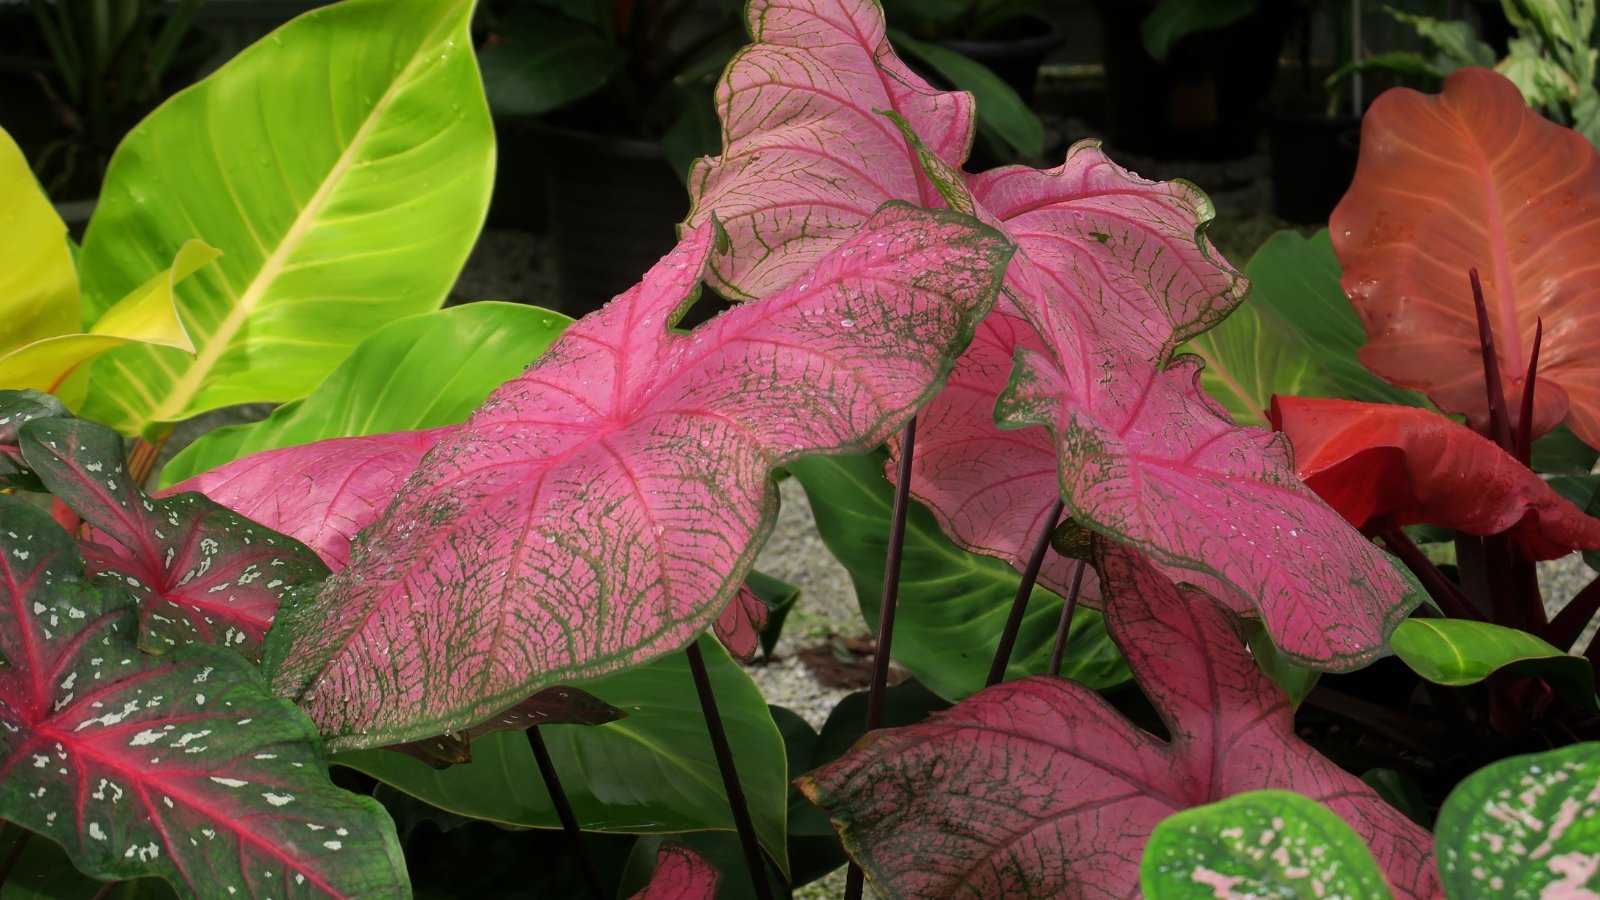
1372,459
1474,178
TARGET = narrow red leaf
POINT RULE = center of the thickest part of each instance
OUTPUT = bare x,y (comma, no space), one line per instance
183,766
681,874
602,508
1474,178
1040,789
740,624
320,494
1371,459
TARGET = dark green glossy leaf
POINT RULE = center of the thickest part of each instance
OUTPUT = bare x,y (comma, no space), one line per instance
999,107
1561,453
43,872
538,61
1458,652
952,603
652,772
1402,792
1252,355
780,597
1296,681
1259,844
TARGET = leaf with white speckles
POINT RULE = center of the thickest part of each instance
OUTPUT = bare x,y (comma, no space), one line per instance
603,507
681,874
201,572
17,408
183,766
1057,793
1531,823
1259,844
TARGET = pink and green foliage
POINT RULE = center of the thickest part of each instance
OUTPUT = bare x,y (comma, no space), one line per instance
320,494
603,507
1259,844
740,624
808,158
1529,824
559,705
183,766
1474,178
681,874
200,571
1059,793
18,408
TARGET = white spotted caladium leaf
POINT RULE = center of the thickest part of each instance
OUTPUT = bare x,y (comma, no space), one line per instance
17,408
681,874
603,507
808,155
183,766
200,571
1039,788
320,494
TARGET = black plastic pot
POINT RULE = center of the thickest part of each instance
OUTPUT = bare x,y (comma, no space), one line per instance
1204,102
614,203
1313,160
1014,52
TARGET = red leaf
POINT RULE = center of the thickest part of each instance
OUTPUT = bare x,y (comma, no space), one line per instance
200,571
602,508
1474,178
740,624
1371,459
1039,788
320,494
681,874
183,766
808,157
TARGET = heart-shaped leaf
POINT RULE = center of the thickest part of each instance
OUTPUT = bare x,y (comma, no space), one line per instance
337,209
1058,793
807,157
419,373
952,603
183,766
1147,459
681,874
1259,844
1458,652
602,508
18,408
1474,178
1529,824
320,494
657,763
1369,460
201,572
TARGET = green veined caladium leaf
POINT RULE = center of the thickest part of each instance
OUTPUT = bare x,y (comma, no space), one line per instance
342,165
807,157
422,372
1529,824
1058,793
183,766
1458,652
681,874
602,508
1259,844
658,758
201,572
18,408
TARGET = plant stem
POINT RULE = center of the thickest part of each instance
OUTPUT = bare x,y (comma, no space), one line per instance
105,890
14,855
1473,566
1441,589
1019,603
1064,630
569,822
1568,624
142,458
854,880
1499,414
1525,414
730,775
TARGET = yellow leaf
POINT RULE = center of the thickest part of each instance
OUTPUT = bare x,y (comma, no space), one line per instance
38,282
148,315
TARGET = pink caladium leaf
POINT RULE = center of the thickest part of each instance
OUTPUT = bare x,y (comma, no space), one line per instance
681,874
200,571
740,624
808,156
183,766
320,494
1147,459
559,705
603,507
1039,788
